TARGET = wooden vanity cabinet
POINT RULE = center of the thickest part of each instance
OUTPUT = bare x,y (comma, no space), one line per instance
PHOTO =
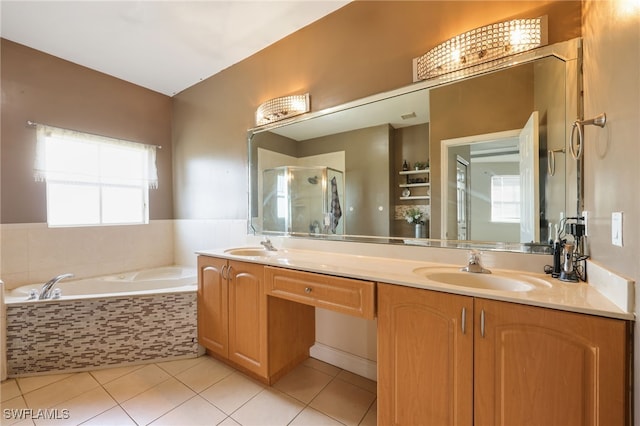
262,336
425,357
449,359
232,312
542,366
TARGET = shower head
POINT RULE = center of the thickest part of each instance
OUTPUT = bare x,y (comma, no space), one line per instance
313,180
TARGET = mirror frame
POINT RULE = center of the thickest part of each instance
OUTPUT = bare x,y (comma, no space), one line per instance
569,51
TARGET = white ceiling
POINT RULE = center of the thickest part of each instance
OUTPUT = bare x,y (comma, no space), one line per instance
165,46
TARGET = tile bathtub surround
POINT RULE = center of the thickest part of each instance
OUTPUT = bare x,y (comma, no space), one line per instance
33,253
57,336
199,391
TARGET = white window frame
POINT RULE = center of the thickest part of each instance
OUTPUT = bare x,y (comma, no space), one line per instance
498,204
90,175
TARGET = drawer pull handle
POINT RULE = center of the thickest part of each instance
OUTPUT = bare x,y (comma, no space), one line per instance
464,320
307,290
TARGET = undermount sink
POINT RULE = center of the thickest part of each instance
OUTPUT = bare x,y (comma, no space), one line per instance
251,252
494,281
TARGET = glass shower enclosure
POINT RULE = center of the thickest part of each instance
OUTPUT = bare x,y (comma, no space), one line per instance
303,200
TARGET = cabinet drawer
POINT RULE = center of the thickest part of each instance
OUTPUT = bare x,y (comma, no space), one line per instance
345,295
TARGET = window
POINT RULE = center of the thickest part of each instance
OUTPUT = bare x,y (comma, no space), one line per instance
505,198
282,194
94,180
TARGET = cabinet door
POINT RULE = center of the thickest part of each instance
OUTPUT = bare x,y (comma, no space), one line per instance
212,305
247,317
536,366
425,357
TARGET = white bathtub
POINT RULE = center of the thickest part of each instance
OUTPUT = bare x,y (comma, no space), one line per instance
150,281
109,321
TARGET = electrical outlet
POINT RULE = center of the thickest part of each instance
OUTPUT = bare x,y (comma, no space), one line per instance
616,229
585,215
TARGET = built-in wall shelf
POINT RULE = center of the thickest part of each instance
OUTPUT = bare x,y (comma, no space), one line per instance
415,197
414,172
413,185
422,185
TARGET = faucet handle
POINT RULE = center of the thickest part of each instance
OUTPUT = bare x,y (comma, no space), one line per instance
33,294
474,265
267,244
474,257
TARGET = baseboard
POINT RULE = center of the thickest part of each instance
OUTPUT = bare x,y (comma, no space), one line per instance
345,360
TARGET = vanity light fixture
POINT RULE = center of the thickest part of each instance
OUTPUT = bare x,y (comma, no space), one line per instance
280,108
480,45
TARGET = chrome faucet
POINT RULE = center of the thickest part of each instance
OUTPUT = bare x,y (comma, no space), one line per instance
474,265
45,293
267,245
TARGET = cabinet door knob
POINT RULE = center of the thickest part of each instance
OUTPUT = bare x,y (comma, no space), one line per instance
482,323
307,290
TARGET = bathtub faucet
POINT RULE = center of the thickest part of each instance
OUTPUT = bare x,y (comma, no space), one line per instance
45,293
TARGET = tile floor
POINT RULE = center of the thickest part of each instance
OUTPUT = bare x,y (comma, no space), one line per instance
200,391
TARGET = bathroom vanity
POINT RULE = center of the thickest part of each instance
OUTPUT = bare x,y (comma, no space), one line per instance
523,351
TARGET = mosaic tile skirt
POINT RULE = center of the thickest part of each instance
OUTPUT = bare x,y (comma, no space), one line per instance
66,335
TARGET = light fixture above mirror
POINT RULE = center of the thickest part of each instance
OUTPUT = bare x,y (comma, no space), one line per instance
481,45
280,108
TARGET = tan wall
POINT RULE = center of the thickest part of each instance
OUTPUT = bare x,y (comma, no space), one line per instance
49,90
612,176
361,49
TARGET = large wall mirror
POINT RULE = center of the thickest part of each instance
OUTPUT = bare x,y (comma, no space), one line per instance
478,156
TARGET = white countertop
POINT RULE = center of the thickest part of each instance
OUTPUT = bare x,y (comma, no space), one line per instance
552,293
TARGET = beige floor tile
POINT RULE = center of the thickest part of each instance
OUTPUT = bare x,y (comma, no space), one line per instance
232,392
15,415
113,417
229,422
136,382
28,384
157,401
109,374
270,407
362,382
60,391
9,390
25,422
204,374
303,383
81,408
195,412
332,370
178,366
344,402
371,418
311,417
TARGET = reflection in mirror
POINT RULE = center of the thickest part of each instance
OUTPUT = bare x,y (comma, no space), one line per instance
525,103
430,148
483,188
302,199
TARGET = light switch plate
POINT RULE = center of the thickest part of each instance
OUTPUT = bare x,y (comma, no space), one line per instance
616,229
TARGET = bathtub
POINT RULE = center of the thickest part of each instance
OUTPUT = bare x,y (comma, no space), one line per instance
157,280
109,321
